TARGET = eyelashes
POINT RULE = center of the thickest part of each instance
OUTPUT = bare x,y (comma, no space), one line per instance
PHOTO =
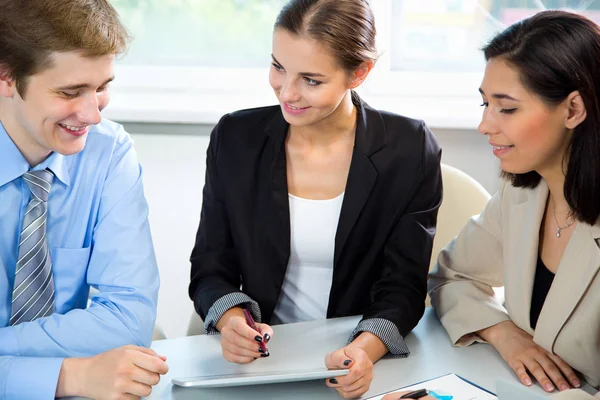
502,110
312,82
73,95
309,81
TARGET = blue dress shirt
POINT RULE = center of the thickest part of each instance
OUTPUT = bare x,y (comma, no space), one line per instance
98,235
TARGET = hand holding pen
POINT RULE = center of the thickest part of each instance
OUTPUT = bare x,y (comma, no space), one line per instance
242,339
422,394
259,339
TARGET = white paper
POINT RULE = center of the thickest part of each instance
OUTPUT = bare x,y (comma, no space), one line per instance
447,385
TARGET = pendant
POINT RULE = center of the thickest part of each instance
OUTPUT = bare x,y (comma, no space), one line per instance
558,232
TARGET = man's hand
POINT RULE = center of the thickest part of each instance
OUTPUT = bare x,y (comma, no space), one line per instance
127,372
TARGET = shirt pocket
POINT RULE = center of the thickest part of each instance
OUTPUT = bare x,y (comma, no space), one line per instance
69,268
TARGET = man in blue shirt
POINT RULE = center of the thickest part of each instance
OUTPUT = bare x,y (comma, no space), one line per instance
72,212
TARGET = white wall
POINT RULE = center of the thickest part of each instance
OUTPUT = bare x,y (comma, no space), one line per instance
174,168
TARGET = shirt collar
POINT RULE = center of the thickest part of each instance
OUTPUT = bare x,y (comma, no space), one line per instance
13,164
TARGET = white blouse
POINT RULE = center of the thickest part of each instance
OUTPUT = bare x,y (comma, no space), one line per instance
305,292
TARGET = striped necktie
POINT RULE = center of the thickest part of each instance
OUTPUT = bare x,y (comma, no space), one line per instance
33,293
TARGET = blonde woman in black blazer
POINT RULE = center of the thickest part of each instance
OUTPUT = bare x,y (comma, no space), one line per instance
322,140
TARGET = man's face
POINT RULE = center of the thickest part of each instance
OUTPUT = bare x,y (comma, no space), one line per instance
59,105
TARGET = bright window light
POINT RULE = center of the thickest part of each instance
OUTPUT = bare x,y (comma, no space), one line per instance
194,60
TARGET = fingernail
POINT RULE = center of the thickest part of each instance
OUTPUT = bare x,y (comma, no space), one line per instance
258,338
347,362
527,381
260,350
333,380
267,337
576,383
564,386
265,354
549,387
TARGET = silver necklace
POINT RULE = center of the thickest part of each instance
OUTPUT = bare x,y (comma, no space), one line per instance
558,227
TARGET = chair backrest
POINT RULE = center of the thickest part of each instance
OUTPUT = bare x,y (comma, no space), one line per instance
463,198
195,325
158,333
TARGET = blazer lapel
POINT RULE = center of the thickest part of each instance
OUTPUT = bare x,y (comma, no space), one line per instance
521,259
370,137
577,268
361,179
279,212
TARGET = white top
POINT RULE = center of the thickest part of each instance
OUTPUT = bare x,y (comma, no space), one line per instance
305,292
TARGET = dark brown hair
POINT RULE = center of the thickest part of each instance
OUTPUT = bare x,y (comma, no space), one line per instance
557,53
30,30
345,27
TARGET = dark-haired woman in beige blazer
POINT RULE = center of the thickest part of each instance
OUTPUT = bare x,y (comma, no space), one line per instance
539,235
500,247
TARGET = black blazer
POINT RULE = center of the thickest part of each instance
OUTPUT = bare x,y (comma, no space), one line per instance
385,231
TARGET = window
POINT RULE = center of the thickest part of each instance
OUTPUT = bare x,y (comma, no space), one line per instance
194,60
432,47
200,33
446,35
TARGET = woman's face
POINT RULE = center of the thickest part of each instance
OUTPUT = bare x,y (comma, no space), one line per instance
526,133
308,82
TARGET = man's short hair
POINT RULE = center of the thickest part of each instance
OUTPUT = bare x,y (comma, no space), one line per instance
31,30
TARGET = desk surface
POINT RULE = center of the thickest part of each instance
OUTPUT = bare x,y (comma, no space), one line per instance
305,345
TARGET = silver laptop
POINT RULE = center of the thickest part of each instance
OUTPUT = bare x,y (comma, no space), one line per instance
259,378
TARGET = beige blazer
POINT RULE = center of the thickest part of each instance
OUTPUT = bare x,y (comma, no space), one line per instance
574,394
500,247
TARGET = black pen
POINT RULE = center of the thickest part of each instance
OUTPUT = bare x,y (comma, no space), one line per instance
417,394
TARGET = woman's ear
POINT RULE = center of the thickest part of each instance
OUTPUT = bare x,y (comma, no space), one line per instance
7,83
360,74
576,110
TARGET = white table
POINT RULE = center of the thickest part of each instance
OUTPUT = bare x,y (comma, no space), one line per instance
305,345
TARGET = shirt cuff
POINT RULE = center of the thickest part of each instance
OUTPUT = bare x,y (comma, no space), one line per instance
386,331
226,302
32,378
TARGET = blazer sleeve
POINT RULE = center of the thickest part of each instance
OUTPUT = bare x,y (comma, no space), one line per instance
461,283
399,294
215,273
574,394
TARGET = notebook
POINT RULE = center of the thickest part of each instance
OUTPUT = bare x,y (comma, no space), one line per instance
449,386
259,378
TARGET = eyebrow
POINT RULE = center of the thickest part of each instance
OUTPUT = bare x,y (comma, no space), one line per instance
310,74
500,96
84,85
